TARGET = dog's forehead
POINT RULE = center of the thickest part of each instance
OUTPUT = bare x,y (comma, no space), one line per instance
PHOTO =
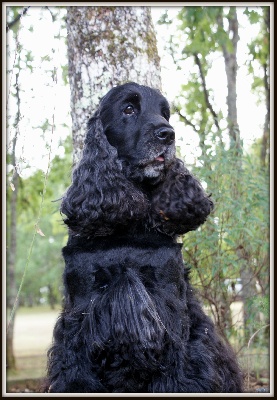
133,91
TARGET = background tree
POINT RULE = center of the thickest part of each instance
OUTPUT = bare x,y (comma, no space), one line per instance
12,238
229,247
12,189
23,201
42,284
103,52
259,68
229,44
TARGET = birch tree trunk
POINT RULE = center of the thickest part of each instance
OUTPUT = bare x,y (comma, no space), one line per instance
11,251
11,282
107,46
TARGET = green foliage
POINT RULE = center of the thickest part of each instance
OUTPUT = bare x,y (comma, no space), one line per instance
253,15
45,266
263,305
234,242
164,19
202,31
65,74
200,38
235,236
14,13
259,50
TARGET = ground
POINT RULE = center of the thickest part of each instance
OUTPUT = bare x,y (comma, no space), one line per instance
33,335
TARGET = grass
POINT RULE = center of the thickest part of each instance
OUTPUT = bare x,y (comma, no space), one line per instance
33,331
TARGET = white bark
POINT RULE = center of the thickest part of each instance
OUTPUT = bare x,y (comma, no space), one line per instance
107,46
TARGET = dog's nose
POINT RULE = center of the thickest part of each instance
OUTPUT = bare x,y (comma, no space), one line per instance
165,135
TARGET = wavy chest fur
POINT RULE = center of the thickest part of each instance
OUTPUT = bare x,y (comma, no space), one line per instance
126,294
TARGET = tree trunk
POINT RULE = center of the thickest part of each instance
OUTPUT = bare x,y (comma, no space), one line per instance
230,58
266,131
51,297
107,46
265,138
11,254
11,283
231,67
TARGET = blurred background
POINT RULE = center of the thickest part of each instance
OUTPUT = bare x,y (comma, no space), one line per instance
213,64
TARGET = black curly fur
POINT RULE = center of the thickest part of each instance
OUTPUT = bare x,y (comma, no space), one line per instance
100,196
131,321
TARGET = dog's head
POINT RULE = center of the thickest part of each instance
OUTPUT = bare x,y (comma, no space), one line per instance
135,120
129,172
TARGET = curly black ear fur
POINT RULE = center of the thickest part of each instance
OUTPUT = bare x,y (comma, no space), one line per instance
100,197
179,204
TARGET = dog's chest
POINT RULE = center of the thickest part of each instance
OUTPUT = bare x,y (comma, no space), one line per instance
94,269
131,301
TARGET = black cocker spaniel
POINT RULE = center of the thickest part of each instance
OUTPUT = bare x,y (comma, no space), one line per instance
131,322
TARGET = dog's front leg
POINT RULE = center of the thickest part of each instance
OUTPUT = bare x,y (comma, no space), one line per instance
70,369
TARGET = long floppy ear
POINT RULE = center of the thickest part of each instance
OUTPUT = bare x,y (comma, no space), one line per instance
100,196
180,204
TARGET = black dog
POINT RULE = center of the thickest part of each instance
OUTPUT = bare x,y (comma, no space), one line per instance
131,322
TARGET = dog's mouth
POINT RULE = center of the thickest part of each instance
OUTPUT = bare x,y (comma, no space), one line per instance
164,159
154,161
160,158
158,163
152,169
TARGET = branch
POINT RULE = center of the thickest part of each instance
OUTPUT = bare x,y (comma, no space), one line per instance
52,15
198,63
233,27
254,334
12,23
185,119
223,45
233,32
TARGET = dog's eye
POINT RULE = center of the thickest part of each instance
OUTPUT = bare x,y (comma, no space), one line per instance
129,110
